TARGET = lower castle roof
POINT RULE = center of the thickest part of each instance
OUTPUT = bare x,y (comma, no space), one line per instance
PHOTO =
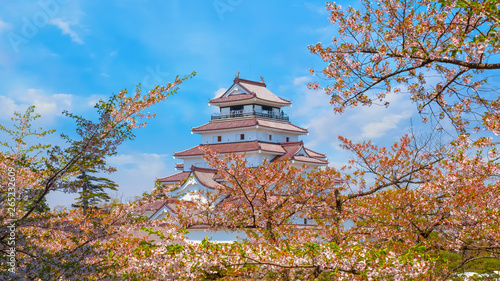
248,122
288,150
294,151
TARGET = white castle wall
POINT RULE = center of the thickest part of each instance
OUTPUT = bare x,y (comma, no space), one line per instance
261,134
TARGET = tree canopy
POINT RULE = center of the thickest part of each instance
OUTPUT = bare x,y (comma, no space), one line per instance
93,191
439,52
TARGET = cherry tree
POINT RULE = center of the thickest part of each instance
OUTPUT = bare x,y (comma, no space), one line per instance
439,52
68,244
443,56
269,203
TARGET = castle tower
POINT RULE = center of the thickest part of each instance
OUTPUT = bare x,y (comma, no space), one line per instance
251,120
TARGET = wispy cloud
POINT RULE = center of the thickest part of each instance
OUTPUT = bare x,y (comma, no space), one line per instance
4,26
319,9
378,129
93,99
66,29
105,63
301,81
376,123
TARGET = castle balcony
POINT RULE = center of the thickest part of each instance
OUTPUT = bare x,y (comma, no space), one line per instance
241,113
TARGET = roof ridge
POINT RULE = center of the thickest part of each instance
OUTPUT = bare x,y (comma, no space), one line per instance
247,122
324,155
176,174
188,149
290,143
252,94
200,169
288,122
237,80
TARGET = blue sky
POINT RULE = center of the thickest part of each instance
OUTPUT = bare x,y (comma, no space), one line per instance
67,54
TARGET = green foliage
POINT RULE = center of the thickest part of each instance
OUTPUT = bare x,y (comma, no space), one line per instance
27,155
22,130
93,191
489,9
471,263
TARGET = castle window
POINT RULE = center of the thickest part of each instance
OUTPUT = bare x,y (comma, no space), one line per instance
287,139
270,137
242,136
219,138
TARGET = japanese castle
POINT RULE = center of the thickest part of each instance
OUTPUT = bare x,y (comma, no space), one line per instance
251,120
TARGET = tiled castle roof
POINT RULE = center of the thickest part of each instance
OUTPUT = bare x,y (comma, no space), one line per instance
287,150
250,122
255,89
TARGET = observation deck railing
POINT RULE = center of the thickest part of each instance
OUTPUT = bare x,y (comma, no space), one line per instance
240,113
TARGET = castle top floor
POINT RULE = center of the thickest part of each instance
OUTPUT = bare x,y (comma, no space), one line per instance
249,98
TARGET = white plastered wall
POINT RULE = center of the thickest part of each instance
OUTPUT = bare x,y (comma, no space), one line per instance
261,134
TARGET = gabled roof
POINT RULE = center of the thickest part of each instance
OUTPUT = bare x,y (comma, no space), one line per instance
205,176
151,206
296,151
243,89
314,153
310,160
149,209
247,123
175,178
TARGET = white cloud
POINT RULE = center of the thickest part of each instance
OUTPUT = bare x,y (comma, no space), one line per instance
7,107
301,81
48,106
312,110
323,130
66,29
220,92
376,121
309,100
365,122
120,160
375,130
4,26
